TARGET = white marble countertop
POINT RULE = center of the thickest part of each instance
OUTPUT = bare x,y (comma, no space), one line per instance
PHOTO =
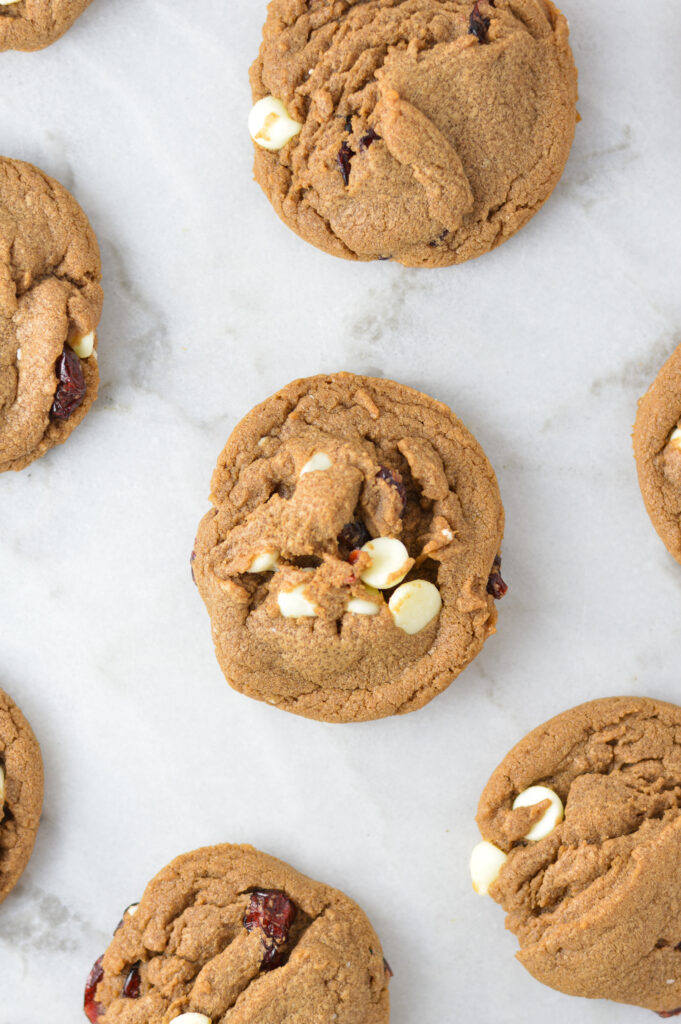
542,348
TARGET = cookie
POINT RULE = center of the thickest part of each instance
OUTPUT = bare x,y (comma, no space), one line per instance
657,447
230,934
34,24
350,562
50,305
584,815
21,793
423,131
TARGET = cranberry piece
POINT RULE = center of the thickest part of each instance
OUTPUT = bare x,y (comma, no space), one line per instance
388,969
273,913
353,557
71,388
345,155
670,1013
133,982
440,238
495,585
353,536
367,139
392,477
93,1009
478,25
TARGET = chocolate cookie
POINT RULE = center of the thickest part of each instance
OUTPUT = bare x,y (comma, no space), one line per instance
229,934
50,305
424,131
21,793
582,829
657,446
350,562
34,24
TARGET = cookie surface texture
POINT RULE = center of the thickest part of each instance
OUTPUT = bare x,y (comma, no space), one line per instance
596,903
21,793
432,130
50,305
658,452
236,936
308,611
33,24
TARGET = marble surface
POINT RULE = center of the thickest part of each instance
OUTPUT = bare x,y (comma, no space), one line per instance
542,348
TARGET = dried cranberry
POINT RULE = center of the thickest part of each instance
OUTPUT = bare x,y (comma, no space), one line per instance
273,913
478,25
367,139
93,1009
344,157
440,238
133,982
495,585
71,388
353,536
392,477
670,1013
388,969
354,556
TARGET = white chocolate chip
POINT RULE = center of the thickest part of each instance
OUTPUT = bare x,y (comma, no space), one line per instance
414,605
486,863
294,605
2,785
675,439
264,562
132,909
361,606
193,1018
390,563
553,816
320,460
83,345
5,2
270,125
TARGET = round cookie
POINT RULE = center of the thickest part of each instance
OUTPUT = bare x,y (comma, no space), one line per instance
350,562
34,24
423,131
50,305
595,900
657,447
228,933
21,793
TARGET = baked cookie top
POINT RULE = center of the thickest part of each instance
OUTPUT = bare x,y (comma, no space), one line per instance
21,793
424,131
594,896
657,446
50,305
230,934
350,561
33,24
